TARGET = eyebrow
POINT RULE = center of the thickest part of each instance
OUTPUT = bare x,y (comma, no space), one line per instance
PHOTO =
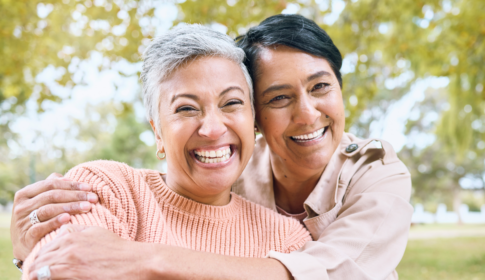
196,98
229,89
275,88
286,86
318,75
186,95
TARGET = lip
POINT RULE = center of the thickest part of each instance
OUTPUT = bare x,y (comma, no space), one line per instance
214,165
313,141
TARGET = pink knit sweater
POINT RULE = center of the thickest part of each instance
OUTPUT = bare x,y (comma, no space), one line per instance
137,205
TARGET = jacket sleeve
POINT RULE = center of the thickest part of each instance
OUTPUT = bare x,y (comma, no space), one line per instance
115,210
369,235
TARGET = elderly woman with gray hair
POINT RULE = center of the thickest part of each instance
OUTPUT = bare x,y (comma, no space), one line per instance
198,96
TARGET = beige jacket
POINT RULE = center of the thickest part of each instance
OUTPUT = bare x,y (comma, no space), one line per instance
358,214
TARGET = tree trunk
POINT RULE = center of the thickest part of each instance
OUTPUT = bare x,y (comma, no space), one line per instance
457,201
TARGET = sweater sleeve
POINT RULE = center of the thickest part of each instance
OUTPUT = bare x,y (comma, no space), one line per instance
115,210
297,236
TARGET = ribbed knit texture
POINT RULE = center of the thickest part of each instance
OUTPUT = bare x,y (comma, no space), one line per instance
137,205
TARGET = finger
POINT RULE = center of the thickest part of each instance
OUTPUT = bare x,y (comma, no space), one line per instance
42,259
37,231
53,184
47,212
55,176
45,253
62,196
65,229
62,235
59,272
58,176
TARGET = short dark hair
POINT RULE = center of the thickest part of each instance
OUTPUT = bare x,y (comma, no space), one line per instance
293,31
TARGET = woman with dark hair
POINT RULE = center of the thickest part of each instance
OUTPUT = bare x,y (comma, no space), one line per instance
351,194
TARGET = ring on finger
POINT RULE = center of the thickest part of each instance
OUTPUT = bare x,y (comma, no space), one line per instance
44,273
33,217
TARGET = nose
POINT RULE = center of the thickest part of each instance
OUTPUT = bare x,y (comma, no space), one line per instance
213,126
305,112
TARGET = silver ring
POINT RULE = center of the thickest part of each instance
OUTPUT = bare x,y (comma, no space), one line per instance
33,217
44,273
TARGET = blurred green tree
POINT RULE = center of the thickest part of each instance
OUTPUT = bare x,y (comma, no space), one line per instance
106,132
438,177
388,45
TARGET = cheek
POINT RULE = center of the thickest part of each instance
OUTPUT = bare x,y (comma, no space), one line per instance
273,122
334,108
175,134
242,123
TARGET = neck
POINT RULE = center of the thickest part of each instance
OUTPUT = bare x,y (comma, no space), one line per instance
292,184
202,196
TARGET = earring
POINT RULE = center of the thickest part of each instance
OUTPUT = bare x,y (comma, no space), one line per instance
160,158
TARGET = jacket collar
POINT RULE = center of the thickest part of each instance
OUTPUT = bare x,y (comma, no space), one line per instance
256,181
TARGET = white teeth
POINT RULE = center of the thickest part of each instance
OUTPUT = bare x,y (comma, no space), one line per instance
309,136
213,156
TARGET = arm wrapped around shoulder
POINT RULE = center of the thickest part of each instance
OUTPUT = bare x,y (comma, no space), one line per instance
116,210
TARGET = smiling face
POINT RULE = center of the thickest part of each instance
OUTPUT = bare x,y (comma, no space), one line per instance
299,108
206,128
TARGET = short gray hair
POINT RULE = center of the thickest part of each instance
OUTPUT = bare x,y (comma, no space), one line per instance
176,47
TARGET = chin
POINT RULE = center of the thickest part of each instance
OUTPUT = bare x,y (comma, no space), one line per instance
316,160
217,184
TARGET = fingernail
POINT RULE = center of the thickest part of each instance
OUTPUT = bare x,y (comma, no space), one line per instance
84,187
85,206
64,218
62,230
92,197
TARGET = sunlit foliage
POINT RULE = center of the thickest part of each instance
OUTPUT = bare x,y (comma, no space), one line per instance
387,46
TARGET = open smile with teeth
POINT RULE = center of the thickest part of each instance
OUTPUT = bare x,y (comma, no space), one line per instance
310,136
213,156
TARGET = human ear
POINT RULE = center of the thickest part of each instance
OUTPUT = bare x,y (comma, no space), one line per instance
158,138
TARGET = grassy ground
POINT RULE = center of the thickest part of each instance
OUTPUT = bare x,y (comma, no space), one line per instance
460,258
7,269
454,258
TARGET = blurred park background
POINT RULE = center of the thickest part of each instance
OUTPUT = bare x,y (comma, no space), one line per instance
413,74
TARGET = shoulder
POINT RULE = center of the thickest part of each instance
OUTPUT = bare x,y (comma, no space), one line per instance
101,167
102,173
373,162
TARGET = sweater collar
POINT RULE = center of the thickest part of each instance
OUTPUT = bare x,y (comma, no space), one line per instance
166,195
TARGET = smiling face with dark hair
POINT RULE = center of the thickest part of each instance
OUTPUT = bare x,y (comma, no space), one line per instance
299,108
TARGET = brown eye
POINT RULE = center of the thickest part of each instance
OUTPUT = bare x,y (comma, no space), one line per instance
233,102
278,98
320,86
185,109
